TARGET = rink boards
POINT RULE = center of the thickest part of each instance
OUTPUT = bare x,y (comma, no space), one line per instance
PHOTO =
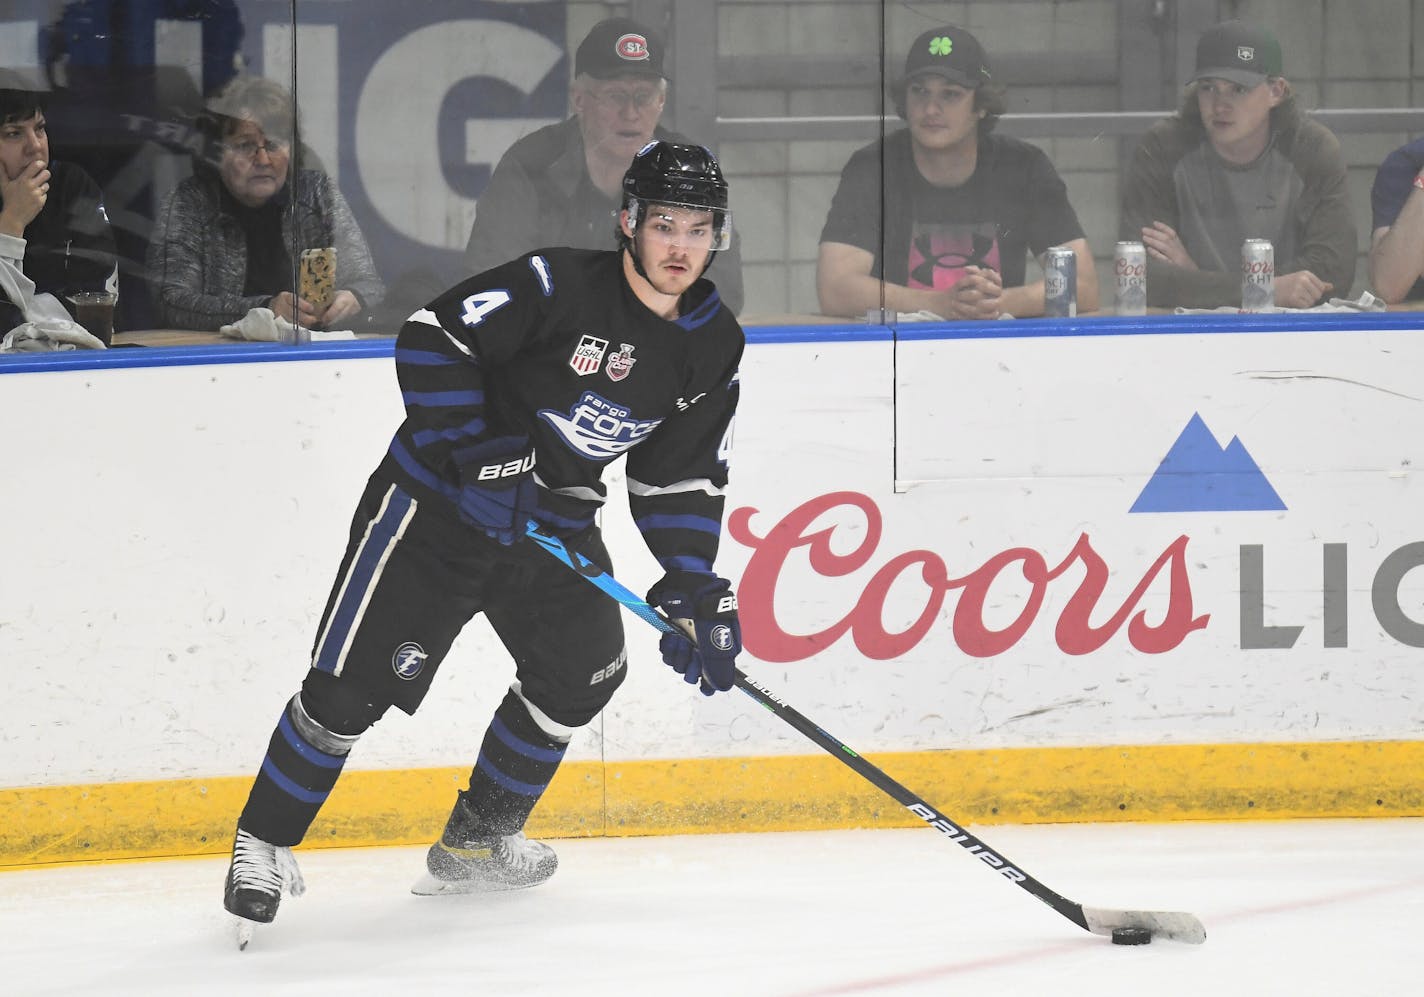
1136,572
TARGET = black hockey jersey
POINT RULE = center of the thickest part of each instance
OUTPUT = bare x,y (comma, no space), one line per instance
556,347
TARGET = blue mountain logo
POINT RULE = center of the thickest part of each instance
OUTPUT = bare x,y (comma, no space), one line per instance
1200,475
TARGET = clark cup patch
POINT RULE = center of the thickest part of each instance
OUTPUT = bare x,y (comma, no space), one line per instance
620,364
588,355
409,660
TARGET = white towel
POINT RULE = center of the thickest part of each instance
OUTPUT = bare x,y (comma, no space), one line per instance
47,327
262,325
1366,302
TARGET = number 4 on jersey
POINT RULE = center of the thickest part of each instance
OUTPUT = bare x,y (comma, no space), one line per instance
477,306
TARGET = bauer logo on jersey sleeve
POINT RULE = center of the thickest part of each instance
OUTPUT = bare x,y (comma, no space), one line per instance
620,364
588,356
409,660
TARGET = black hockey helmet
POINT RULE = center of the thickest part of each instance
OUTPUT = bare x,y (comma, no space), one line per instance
682,176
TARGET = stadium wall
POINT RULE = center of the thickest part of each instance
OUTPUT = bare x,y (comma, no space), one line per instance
1110,570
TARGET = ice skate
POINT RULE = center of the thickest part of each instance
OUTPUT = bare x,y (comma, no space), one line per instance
258,874
503,862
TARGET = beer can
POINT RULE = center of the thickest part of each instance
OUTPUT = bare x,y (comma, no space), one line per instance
1060,282
1258,275
1130,273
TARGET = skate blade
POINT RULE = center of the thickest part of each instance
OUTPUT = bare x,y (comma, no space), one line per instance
244,930
429,886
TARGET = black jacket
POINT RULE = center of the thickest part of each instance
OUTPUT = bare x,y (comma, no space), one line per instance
68,246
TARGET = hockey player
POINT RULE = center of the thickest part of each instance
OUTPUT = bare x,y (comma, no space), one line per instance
520,385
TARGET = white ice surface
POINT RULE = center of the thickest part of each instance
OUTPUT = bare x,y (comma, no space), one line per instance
1298,908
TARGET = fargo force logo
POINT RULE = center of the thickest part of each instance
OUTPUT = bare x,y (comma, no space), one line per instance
409,660
597,428
721,637
588,356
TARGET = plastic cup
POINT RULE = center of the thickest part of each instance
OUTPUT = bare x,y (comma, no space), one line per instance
94,310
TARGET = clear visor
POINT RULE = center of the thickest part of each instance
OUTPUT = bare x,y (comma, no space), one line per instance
692,226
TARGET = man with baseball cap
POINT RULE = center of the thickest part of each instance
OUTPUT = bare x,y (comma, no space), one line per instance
562,184
1239,161
962,207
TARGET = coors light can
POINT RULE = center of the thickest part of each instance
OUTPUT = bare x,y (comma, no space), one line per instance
1060,282
1258,275
1130,272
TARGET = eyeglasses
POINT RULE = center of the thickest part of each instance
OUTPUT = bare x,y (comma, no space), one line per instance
248,150
618,100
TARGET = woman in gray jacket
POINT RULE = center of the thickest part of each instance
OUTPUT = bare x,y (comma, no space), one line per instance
225,239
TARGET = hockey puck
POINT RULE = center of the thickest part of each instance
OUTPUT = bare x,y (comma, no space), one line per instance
1131,936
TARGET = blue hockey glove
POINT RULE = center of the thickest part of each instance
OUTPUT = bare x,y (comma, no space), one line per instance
707,658
498,494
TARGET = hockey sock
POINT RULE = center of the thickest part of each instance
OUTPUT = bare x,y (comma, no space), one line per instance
517,760
303,762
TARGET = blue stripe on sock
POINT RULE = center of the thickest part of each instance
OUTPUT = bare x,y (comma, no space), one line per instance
513,785
306,749
511,740
286,785
362,574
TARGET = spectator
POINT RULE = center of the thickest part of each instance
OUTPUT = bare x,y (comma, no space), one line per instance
962,206
53,229
1397,246
560,185
225,239
1239,161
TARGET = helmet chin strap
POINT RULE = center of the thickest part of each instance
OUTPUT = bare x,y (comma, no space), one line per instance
637,260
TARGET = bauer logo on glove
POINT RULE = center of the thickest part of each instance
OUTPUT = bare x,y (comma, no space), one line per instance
508,469
498,493
706,656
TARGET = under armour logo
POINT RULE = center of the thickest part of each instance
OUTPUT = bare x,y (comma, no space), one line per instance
978,256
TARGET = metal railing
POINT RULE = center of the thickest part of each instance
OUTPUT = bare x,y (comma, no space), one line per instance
1051,125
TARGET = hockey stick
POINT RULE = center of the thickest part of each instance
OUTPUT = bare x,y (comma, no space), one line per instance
1178,927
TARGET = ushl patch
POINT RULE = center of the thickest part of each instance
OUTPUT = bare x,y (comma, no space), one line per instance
620,364
588,355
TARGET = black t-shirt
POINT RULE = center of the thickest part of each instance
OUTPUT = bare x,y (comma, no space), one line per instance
69,245
1012,204
269,260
